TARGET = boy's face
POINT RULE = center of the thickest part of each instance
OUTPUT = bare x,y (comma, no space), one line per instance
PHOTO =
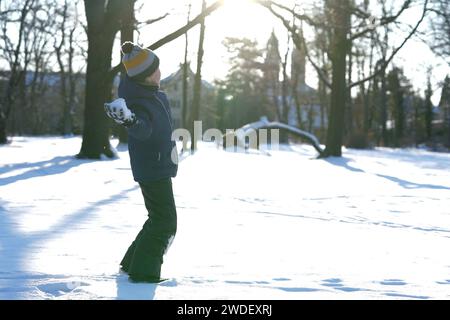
154,78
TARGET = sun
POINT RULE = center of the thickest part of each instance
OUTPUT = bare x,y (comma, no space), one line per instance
233,2
239,18
236,5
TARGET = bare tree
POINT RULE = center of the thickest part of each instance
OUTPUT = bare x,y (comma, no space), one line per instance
345,25
174,35
13,53
444,104
440,23
65,51
185,75
28,55
340,46
285,90
103,22
38,38
319,49
195,111
128,25
429,108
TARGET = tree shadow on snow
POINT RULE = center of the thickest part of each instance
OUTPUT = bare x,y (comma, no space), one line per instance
345,163
16,246
412,185
53,166
420,159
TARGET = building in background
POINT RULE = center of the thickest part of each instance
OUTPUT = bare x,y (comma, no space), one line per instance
38,107
304,98
173,87
304,108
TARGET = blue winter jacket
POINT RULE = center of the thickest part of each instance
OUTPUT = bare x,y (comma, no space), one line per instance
149,139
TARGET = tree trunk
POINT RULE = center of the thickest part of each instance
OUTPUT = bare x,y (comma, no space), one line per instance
198,83
383,96
98,90
429,110
396,99
324,114
444,104
3,137
294,90
383,106
7,100
368,95
66,121
349,102
284,95
185,96
126,34
72,84
185,77
448,127
339,51
416,122
103,22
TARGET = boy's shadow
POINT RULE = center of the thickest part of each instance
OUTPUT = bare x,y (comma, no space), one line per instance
134,291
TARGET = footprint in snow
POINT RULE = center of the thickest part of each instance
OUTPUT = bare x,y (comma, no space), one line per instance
393,282
338,284
281,279
334,282
60,288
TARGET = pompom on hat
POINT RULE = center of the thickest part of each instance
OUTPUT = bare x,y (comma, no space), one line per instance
139,62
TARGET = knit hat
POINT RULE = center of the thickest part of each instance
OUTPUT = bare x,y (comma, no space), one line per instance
139,62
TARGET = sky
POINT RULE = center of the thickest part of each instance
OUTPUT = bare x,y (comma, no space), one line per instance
241,18
234,19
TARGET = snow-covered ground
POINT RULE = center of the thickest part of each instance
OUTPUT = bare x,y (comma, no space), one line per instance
372,225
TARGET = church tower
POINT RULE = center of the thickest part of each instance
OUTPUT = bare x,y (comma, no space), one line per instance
272,62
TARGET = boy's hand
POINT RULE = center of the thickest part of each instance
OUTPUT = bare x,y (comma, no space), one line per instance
119,112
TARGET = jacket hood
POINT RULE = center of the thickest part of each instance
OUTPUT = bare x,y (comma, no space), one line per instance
128,89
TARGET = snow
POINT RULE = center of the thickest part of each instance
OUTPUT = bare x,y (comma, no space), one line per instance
278,225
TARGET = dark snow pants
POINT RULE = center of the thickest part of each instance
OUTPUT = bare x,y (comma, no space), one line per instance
144,257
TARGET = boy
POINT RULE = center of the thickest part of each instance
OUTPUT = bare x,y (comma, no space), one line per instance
145,112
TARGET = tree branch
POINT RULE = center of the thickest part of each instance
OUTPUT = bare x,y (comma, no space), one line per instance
303,17
150,21
187,27
383,21
386,63
172,36
299,41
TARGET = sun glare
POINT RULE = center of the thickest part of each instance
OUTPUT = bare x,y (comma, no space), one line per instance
234,3
239,7
240,18
237,19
